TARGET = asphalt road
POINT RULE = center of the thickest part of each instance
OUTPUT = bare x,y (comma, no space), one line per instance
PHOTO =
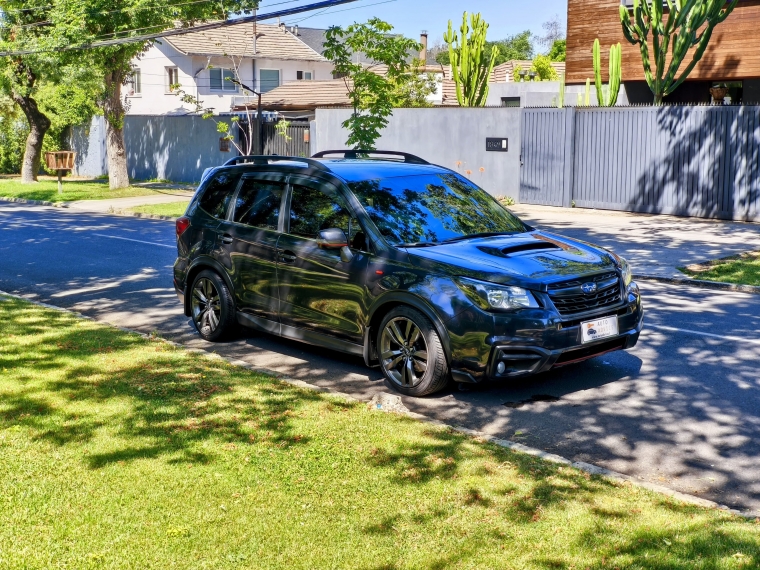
682,409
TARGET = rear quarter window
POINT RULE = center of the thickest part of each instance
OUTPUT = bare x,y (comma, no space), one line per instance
216,197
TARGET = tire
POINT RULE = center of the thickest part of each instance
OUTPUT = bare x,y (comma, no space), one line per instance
214,320
410,352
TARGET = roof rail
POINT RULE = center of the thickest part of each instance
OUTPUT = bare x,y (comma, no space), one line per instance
410,158
263,160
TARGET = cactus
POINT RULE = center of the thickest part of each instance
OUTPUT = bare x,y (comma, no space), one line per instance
469,67
689,23
607,95
588,92
561,100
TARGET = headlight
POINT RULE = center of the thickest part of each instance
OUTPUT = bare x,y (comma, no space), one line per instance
626,271
492,296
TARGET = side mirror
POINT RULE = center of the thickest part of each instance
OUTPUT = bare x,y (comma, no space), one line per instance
335,238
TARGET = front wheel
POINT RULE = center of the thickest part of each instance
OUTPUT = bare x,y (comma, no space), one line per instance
411,354
213,309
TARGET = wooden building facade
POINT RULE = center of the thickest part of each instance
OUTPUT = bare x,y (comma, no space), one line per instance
733,54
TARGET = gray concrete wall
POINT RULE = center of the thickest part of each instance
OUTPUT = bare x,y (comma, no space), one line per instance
89,142
172,148
452,137
544,94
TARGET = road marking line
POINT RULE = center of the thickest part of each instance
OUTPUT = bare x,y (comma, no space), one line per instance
137,240
700,333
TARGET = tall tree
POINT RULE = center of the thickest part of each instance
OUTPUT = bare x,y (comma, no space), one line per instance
689,24
470,67
81,21
22,26
373,94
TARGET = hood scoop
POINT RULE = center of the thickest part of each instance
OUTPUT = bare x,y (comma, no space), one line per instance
519,248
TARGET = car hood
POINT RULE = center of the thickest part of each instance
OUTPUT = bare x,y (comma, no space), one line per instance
532,259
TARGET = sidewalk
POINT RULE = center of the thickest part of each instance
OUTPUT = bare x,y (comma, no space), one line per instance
120,204
654,245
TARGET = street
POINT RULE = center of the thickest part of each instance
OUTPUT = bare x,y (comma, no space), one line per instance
682,409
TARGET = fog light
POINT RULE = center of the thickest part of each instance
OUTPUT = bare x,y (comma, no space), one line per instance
501,368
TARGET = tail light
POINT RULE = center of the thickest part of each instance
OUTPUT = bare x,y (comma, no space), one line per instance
182,224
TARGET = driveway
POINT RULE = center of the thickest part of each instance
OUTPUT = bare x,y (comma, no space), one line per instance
655,245
681,409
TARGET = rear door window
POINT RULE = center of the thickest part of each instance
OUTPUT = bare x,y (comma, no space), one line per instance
216,197
258,203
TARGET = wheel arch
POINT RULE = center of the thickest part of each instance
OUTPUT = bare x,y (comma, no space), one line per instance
195,268
387,303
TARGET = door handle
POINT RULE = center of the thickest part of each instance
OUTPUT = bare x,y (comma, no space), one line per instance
227,238
286,256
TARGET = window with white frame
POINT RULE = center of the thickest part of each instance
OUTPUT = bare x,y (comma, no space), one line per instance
269,79
220,79
172,78
134,83
304,75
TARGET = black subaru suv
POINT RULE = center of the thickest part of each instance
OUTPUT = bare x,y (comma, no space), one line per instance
408,264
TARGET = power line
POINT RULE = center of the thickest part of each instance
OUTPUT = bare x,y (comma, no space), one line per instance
344,10
177,32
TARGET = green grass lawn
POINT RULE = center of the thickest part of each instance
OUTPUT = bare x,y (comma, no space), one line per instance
47,190
173,209
121,452
743,269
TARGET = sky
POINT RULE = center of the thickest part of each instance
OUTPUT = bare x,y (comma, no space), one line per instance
410,17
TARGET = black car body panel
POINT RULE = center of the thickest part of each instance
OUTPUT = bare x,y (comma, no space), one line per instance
287,283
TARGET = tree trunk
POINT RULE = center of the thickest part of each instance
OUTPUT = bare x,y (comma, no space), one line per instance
38,126
113,107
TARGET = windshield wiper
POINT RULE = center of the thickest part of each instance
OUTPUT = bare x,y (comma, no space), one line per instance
418,244
480,235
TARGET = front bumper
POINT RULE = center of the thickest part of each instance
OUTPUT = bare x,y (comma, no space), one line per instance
531,342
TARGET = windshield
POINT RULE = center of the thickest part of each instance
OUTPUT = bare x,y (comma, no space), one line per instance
432,208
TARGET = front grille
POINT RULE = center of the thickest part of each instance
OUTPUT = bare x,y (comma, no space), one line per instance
569,299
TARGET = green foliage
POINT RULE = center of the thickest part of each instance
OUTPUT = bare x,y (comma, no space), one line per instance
558,50
373,95
689,24
413,88
607,95
13,133
542,65
470,67
518,47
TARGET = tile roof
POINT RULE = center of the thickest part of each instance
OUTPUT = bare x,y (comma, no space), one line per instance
303,95
272,42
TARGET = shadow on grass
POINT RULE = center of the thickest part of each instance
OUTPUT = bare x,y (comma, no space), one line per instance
72,382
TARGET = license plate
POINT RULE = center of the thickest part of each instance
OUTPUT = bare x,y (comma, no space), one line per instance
599,329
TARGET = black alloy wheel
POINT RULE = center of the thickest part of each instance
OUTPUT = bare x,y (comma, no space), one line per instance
212,306
411,355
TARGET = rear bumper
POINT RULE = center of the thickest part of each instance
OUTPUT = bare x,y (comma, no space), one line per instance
539,345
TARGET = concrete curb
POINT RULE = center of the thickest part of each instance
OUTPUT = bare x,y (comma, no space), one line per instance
517,447
34,202
122,213
716,285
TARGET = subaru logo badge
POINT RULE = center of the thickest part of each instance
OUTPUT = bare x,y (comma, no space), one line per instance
588,288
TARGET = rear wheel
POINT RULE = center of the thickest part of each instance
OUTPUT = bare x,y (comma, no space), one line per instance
213,309
411,354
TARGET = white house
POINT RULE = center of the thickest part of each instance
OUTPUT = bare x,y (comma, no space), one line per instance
263,56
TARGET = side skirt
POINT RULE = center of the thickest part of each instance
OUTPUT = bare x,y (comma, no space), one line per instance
301,335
